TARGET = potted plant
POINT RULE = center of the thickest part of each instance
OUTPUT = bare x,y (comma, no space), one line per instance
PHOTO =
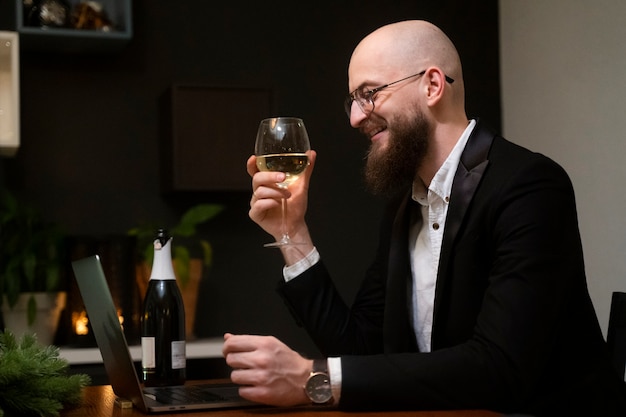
190,254
30,268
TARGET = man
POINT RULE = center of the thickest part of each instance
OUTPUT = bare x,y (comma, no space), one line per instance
477,297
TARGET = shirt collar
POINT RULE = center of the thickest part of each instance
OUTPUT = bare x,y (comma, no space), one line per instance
441,185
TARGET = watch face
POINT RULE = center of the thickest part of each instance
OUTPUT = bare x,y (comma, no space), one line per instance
318,388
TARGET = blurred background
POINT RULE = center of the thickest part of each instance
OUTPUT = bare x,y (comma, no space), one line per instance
96,132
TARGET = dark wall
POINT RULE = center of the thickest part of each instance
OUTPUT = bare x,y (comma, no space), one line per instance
91,125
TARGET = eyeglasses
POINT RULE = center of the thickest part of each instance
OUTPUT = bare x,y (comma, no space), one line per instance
365,98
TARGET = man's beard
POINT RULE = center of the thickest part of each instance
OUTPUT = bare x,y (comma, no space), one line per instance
389,170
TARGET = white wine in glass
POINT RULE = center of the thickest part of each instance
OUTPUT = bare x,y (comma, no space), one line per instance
281,145
292,164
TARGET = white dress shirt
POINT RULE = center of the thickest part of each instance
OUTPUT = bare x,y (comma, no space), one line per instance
425,239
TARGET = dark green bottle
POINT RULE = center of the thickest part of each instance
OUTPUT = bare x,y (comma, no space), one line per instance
163,321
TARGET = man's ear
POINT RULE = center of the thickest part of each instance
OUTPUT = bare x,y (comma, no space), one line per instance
435,85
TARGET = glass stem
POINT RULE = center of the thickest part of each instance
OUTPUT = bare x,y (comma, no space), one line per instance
283,222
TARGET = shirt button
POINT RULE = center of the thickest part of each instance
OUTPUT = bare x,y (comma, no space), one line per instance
436,226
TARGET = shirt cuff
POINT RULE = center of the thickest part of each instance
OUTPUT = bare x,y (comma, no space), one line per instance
334,372
292,271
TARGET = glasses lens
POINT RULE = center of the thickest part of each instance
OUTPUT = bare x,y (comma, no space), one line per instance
363,99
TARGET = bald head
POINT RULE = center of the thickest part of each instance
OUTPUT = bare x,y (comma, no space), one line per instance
400,49
406,47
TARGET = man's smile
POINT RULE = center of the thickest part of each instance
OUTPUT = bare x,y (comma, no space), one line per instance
372,130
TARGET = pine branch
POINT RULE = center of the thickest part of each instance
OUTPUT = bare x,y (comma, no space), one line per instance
34,381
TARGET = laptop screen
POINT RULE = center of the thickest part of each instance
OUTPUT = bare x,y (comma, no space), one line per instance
107,329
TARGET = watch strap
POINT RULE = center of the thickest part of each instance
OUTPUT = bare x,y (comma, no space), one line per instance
320,365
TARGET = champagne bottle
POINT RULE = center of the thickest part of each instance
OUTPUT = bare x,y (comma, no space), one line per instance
163,321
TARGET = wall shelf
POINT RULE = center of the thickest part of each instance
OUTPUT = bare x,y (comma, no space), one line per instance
68,40
10,97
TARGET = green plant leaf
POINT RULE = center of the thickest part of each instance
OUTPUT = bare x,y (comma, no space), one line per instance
12,282
34,381
9,202
148,254
53,276
207,251
181,266
194,216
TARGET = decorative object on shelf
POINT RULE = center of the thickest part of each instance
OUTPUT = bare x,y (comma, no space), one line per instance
34,380
46,13
90,15
85,15
30,257
190,255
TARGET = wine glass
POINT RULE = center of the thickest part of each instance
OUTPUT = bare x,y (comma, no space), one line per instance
281,145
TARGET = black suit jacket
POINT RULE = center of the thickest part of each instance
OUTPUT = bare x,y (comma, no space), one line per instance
514,329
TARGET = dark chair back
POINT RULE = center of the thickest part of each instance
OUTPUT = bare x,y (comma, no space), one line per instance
616,334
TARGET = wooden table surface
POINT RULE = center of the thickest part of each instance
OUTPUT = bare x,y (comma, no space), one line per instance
99,401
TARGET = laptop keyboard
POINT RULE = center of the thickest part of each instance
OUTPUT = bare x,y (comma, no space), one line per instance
190,394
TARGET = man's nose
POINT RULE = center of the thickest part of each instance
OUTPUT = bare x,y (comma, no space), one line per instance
356,114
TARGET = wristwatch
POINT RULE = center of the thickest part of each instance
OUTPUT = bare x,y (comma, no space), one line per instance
317,387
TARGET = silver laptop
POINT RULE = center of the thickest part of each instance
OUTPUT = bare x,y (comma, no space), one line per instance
118,361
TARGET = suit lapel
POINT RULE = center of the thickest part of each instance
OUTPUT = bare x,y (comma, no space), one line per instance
471,168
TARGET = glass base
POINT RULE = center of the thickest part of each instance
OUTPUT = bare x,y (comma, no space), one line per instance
284,241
